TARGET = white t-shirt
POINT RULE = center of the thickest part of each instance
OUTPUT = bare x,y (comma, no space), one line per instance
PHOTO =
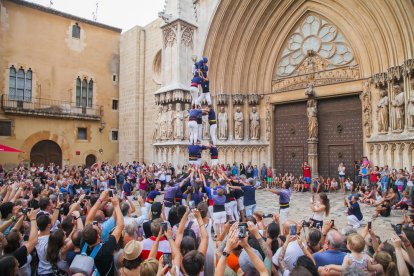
44,266
293,252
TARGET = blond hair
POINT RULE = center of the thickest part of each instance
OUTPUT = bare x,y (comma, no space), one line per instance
148,267
356,242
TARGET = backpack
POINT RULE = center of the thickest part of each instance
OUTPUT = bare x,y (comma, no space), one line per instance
82,263
190,233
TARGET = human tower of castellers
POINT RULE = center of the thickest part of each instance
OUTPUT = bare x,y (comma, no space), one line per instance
195,149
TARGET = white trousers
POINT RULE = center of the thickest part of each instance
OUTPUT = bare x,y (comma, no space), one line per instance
166,212
354,221
200,131
194,95
231,210
213,135
214,162
206,96
283,215
193,130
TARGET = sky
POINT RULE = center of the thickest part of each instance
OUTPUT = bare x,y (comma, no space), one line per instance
123,14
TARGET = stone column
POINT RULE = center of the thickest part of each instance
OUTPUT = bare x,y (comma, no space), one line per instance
313,140
230,122
246,123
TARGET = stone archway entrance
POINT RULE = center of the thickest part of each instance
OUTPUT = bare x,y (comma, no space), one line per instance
90,160
46,152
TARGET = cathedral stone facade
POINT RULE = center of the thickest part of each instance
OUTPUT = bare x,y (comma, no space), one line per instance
292,81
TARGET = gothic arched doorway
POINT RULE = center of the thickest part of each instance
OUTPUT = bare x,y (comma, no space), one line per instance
90,160
46,152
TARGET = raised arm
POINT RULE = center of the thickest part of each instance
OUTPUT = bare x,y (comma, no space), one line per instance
258,264
92,213
119,219
33,236
154,248
401,265
231,243
181,227
202,247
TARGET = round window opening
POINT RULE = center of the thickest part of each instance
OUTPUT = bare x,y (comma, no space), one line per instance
156,68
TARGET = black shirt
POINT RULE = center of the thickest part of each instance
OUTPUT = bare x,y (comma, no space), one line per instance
104,260
21,255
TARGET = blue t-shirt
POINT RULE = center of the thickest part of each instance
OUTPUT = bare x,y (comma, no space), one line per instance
107,227
335,257
153,194
249,195
214,152
355,210
127,187
364,171
195,113
284,197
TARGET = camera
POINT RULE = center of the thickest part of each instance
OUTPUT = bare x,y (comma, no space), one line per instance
167,259
110,193
164,226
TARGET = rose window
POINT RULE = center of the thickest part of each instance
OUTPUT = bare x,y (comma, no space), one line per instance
317,35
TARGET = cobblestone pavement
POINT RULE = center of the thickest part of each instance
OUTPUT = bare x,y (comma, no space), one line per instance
300,209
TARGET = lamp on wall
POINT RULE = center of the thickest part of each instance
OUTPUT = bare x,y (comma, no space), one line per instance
102,127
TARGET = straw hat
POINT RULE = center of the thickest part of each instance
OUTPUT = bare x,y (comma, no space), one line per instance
132,250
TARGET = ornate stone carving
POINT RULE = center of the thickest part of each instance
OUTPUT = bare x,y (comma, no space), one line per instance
410,105
169,122
163,123
254,124
318,78
178,122
238,124
206,128
238,98
380,79
269,109
222,124
382,112
408,66
157,132
170,35
187,34
398,104
253,99
320,36
186,115
222,99
366,108
312,119
401,148
309,91
395,73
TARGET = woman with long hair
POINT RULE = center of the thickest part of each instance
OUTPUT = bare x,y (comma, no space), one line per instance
341,175
320,208
56,251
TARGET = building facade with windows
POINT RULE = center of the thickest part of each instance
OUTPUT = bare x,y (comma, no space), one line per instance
292,81
59,86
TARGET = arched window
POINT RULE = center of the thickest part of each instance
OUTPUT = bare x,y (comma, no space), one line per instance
90,91
20,84
12,83
28,86
78,92
84,92
75,31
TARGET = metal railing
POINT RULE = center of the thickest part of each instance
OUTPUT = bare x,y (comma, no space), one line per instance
49,108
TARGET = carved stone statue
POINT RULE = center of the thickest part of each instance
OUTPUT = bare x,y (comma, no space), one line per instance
410,106
206,128
238,124
163,123
169,122
398,108
382,112
157,131
254,124
312,119
268,122
179,122
186,115
222,124
309,91
365,98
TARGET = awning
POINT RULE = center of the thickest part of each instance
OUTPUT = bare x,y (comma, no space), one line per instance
5,148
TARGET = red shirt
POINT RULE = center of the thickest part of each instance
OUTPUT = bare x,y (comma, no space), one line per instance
143,183
306,171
